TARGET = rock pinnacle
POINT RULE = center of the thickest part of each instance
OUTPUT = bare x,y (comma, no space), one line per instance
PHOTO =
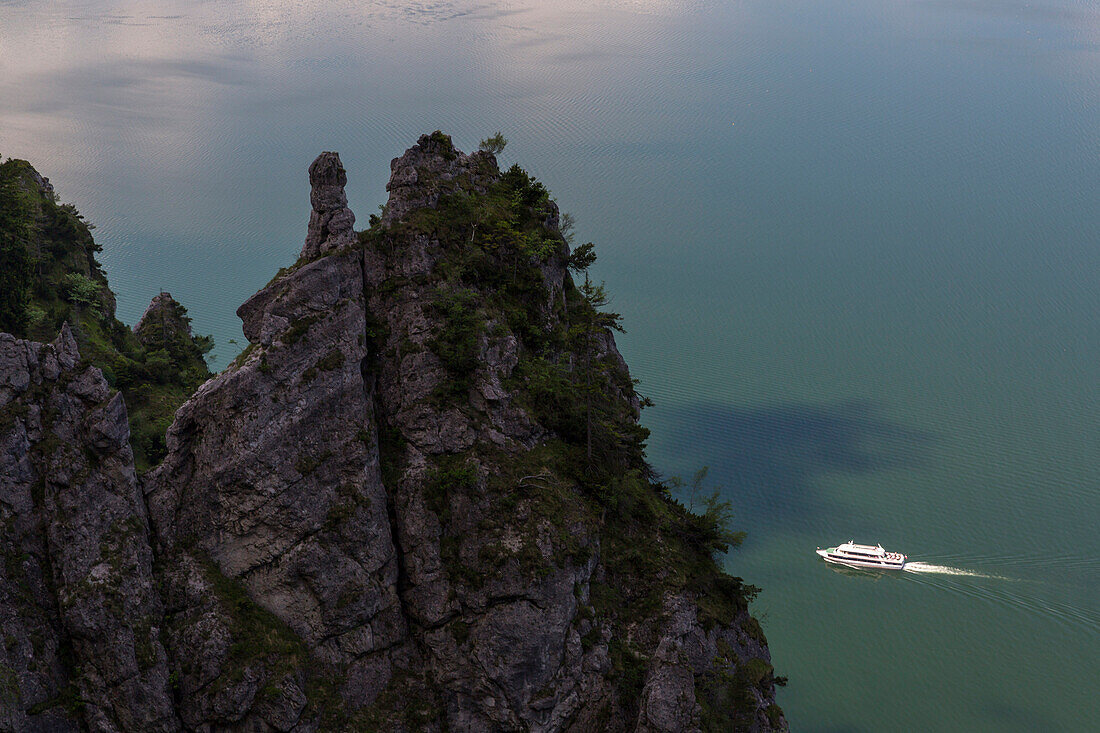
331,221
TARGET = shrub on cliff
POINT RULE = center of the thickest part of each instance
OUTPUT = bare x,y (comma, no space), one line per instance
17,218
49,276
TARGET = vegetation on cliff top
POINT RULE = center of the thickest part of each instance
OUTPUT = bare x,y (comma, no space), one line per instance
588,480
49,275
496,244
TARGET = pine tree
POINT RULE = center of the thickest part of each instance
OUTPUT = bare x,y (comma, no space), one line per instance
16,228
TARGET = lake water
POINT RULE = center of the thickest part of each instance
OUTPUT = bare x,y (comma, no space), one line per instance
855,245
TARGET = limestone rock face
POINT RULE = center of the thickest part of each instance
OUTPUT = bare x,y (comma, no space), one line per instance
430,169
389,513
271,491
686,651
521,664
78,600
389,521
330,221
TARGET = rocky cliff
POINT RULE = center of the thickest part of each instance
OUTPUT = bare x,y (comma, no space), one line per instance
417,501
79,607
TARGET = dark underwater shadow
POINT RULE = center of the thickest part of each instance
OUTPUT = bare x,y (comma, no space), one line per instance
1012,716
770,460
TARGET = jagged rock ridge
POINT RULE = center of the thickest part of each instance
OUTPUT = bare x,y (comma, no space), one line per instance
395,511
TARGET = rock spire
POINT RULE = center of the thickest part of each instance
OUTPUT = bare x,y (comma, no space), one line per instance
331,222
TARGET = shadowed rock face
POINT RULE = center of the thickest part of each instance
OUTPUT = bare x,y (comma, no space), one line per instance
272,485
77,591
523,665
330,221
308,476
346,539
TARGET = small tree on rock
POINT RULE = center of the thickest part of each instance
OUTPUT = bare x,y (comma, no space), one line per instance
582,257
592,323
494,145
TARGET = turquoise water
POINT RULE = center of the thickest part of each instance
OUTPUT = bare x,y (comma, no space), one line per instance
855,245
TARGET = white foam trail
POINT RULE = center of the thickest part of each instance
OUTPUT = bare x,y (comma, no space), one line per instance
923,567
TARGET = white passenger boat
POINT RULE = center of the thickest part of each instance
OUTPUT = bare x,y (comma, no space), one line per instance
863,556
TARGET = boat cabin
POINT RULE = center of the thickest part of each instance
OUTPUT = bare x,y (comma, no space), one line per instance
851,548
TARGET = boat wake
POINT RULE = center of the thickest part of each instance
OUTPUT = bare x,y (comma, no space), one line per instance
923,567
1024,594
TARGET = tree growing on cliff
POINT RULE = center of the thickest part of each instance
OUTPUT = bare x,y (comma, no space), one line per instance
587,330
582,258
82,291
494,144
713,526
16,226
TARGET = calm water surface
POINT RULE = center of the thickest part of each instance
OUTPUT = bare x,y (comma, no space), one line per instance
856,245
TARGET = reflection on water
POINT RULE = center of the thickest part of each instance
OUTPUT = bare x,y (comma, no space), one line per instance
854,243
860,573
204,116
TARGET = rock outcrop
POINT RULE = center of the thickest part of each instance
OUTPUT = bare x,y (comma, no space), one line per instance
80,612
271,488
373,479
417,501
330,221
504,645
431,169
164,318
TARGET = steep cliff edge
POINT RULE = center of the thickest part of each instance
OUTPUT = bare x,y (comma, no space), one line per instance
426,473
417,501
